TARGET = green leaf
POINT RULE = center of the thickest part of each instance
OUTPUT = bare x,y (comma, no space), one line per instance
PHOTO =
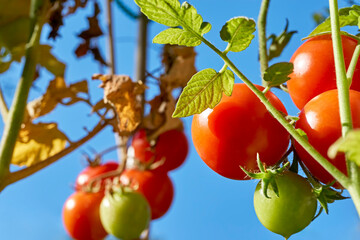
170,13
4,66
162,11
349,145
49,61
278,73
348,16
238,32
177,36
278,43
204,90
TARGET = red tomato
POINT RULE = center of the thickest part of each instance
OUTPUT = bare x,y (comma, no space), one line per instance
91,172
320,120
81,216
314,68
172,146
236,130
156,187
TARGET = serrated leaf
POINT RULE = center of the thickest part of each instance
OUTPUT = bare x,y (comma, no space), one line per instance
278,43
162,11
37,142
238,32
278,73
49,61
170,13
177,36
349,145
204,90
348,16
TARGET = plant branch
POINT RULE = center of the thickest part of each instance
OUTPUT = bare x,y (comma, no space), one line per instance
352,66
23,173
263,55
18,106
111,46
3,107
344,99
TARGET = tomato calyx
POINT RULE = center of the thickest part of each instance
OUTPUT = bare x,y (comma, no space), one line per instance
267,176
325,194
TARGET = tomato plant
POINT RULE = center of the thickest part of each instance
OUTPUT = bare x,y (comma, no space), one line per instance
81,216
125,214
292,210
156,187
91,172
171,147
236,130
314,68
321,122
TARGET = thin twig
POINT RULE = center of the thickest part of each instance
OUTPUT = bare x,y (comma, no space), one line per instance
3,107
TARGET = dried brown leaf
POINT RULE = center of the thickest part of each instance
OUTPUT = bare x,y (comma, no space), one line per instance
37,142
77,4
179,63
160,119
123,94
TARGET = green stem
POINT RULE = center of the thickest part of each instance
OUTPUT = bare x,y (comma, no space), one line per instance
344,99
3,107
342,178
352,66
262,38
18,106
341,79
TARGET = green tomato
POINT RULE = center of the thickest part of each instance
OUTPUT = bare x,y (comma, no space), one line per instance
125,214
292,211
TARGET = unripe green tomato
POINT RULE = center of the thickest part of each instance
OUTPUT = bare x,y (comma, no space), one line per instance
292,211
125,214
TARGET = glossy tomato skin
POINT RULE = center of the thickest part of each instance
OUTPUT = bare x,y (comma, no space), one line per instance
321,122
172,146
292,211
156,187
92,172
314,68
236,130
81,216
125,214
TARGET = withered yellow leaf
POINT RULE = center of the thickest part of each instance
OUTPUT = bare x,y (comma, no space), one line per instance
123,94
55,93
37,142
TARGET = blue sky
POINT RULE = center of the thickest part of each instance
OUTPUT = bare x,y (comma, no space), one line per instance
206,205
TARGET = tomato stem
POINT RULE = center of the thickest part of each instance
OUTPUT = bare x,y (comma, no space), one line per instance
352,66
344,99
17,110
3,107
263,55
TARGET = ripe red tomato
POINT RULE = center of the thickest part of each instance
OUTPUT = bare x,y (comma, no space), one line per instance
81,217
239,127
91,172
320,120
172,146
156,187
314,68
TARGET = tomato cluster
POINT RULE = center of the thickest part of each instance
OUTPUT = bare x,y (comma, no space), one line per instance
124,208
231,134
